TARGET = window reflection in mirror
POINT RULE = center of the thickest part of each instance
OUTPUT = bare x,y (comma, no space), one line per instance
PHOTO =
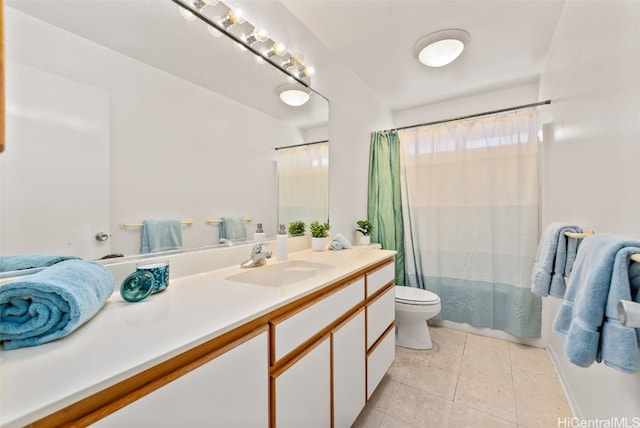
303,183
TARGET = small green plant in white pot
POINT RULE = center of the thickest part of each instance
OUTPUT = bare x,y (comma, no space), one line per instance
365,228
319,234
297,228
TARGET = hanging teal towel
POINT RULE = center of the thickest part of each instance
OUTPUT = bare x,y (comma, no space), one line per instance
233,229
52,303
160,235
554,260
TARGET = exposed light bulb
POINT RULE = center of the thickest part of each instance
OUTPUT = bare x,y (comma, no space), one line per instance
257,35
233,17
294,60
309,70
278,49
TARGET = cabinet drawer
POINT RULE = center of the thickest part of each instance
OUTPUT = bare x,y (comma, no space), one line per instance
379,278
380,314
379,360
293,331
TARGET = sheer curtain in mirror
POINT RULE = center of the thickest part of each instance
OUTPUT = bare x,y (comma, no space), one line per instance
303,183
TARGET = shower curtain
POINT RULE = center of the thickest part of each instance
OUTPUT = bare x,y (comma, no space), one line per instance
470,199
303,183
384,205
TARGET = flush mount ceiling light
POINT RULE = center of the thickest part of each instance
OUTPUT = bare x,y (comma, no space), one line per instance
293,95
441,48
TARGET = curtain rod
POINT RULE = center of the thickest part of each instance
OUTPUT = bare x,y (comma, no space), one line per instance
303,144
486,113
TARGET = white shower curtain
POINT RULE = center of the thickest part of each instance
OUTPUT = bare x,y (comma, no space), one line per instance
303,183
470,198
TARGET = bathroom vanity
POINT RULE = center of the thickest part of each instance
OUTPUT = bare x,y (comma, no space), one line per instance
220,348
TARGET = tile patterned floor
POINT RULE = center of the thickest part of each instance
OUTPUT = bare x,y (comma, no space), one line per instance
467,380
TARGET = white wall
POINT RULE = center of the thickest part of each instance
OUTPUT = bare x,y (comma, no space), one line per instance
591,162
177,150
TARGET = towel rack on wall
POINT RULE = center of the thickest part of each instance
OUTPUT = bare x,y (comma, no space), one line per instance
128,225
219,220
629,313
579,235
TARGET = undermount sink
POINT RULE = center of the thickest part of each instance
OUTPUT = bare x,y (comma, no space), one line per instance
280,274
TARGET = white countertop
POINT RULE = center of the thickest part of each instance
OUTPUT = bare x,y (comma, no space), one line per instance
126,338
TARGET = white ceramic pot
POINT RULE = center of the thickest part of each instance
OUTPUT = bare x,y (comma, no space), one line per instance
317,244
365,240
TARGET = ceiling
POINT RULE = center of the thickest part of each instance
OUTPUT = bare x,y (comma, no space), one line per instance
375,39
372,38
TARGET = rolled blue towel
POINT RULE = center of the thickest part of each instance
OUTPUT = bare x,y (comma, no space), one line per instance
29,261
342,240
52,303
335,245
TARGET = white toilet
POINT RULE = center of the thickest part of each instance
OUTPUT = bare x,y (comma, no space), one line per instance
414,307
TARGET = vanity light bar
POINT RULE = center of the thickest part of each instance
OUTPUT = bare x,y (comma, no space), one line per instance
290,64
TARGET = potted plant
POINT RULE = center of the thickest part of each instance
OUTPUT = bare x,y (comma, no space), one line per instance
297,228
319,234
365,228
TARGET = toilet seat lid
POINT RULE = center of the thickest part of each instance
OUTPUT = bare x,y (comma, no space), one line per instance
415,296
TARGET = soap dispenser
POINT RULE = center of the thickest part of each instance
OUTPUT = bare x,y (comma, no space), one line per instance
281,243
259,236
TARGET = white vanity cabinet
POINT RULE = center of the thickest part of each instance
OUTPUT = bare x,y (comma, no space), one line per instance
231,390
380,327
318,358
313,361
303,390
349,370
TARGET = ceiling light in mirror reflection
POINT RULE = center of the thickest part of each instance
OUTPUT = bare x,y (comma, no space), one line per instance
293,94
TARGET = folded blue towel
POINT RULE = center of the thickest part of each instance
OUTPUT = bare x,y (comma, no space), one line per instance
52,303
342,240
554,260
588,317
29,261
160,235
233,229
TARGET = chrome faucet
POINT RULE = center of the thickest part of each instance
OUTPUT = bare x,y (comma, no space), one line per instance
257,257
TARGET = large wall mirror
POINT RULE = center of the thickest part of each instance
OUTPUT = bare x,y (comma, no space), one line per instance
120,111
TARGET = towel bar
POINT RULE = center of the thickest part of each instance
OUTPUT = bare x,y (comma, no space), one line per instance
579,235
218,221
629,313
128,225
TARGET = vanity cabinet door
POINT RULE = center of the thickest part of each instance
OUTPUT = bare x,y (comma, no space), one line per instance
349,370
303,389
230,391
